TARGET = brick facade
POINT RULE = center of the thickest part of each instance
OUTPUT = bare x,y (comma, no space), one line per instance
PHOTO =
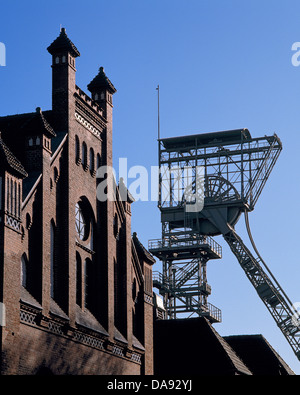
76,285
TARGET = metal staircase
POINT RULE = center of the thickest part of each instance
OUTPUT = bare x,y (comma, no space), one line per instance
187,299
183,283
185,273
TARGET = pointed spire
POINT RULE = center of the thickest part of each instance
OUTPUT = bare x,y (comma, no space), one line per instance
63,44
101,81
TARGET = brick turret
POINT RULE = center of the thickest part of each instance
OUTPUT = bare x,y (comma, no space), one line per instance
63,53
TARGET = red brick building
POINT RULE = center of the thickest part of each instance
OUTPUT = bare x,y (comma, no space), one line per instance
75,285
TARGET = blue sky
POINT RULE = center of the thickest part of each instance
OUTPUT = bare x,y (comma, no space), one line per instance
220,65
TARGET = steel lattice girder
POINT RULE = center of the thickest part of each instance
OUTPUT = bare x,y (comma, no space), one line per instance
269,292
241,162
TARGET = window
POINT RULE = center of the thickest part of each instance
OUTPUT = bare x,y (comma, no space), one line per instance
84,155
28,221
78,279
92,161
19,200
134,290
80,223
77,150
116,225
52,259
84,277
55,174
0,193
7,195
24,271
12,197
87,282
16,209
98,161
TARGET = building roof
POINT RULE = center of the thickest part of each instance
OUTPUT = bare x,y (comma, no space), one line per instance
38,124
62,43
206,139
141,250
8,159
237,362
101,81
259,355
193,347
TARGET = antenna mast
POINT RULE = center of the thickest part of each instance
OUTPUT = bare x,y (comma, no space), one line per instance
158,114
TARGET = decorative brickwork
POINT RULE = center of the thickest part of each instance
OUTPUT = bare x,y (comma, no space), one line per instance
67,261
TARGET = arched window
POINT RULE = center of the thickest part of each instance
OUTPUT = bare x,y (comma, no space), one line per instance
55,174
134,290
7,195
84,223
15,199
98,161
84,154
52,259
20,200
28,221
77,150
24,264
116,225
87,282
92,161
81,224
78,279
12,197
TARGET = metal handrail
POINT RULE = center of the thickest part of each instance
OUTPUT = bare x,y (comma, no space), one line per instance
184,241
212,310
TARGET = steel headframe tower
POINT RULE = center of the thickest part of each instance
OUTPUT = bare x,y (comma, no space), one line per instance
207,181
